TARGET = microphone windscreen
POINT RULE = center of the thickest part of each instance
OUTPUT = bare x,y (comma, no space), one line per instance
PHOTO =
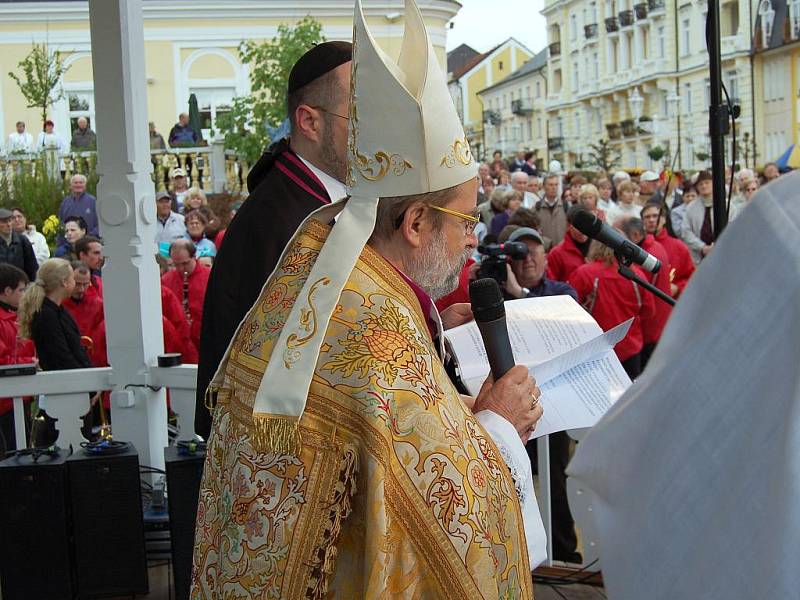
587,223
486,299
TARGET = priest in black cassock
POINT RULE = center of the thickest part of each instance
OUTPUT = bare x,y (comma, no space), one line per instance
293,179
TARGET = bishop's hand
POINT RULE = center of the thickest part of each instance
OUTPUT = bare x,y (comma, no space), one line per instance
515,397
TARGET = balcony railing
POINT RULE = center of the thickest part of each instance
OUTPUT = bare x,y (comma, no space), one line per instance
628,127
555,143
523,106
655,5
614,131
612,26
555,49
492,117
640,10
590,31
208,167
626,18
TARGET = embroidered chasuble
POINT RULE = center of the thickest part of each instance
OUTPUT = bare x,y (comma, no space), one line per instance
397,491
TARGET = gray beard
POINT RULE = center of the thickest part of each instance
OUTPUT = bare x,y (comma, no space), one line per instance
431,271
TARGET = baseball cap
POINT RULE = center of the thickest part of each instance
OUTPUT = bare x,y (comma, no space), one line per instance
162,194
178,172
5,214
649,176
525,232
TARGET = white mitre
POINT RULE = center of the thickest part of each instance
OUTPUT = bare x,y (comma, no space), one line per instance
405,139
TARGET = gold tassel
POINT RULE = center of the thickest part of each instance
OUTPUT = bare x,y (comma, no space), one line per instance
278,434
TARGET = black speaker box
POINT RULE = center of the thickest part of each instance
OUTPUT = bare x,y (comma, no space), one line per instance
108,530
35,553
183,489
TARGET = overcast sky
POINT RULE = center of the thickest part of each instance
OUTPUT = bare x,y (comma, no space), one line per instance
483,24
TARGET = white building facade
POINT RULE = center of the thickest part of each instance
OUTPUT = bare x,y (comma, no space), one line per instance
636,73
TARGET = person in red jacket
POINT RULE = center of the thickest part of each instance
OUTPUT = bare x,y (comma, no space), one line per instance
611,299
85,307
570,253
188,281
177,338
13,350
654,218
652,328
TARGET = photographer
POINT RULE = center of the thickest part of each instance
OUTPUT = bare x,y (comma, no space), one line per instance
525,275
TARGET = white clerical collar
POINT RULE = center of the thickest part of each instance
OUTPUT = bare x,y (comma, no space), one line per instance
335,188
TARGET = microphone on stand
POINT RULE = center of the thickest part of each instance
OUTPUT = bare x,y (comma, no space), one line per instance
588,224
490,315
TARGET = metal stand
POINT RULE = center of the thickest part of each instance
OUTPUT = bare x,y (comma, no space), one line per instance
718,119
626,271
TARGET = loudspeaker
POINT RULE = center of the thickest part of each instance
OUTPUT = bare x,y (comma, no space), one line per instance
105,496
35,552
183,489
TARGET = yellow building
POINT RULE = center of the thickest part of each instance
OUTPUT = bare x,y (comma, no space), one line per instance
190,47
478,73
776,62
514,115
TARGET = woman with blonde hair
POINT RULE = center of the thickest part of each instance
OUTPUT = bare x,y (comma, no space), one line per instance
195,198
611,299
589,197
43,319
626,203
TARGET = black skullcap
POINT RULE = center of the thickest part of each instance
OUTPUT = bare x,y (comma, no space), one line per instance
322,58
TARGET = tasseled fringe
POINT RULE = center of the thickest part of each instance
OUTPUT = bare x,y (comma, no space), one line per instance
276,434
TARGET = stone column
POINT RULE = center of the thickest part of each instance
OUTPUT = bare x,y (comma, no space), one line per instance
127,215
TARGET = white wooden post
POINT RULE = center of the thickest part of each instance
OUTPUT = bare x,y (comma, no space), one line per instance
126,208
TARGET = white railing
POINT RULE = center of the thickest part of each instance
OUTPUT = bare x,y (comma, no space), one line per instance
65,396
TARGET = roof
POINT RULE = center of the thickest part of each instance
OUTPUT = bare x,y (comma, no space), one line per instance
458,56
471,63
537,63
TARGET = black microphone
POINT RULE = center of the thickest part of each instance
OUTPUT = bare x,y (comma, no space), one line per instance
490,315
589,224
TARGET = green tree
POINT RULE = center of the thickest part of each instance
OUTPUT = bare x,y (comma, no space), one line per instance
603,156
245,126
41,72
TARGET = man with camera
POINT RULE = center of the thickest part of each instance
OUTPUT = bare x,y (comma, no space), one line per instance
525,275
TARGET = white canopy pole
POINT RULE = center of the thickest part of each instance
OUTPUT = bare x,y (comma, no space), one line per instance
126,208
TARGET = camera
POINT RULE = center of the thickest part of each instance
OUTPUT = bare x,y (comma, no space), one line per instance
493,263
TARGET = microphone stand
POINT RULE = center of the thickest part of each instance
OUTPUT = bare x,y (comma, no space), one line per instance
626,271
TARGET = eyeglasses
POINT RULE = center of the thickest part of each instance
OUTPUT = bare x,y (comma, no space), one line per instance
330,112
470,221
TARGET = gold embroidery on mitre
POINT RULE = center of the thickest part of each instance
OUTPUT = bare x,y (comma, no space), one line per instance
458,152
308,323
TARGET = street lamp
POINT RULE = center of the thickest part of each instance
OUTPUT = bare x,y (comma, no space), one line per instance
674,102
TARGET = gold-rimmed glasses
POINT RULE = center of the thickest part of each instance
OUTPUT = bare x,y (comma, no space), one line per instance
470,221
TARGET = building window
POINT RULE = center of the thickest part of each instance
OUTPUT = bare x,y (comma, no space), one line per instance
707,95
686,37
686,97
732,84
767,18
661,42
596,65
539,127
212,102
573,27
794,15
575,76
663,105
81,104
538,89
499,65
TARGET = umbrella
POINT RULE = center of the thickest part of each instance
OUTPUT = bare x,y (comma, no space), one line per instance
789,159
194,117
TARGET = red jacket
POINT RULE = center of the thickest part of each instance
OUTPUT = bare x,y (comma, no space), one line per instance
653,327
177,338
680,260
88,313
198,281
612,299
563,259
461,293
13,351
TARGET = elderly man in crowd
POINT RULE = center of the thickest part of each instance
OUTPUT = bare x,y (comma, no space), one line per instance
697,229
552,211
170,224
188,281
37,240
182,133
83,138
519,182
648,188
80,203
15,249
